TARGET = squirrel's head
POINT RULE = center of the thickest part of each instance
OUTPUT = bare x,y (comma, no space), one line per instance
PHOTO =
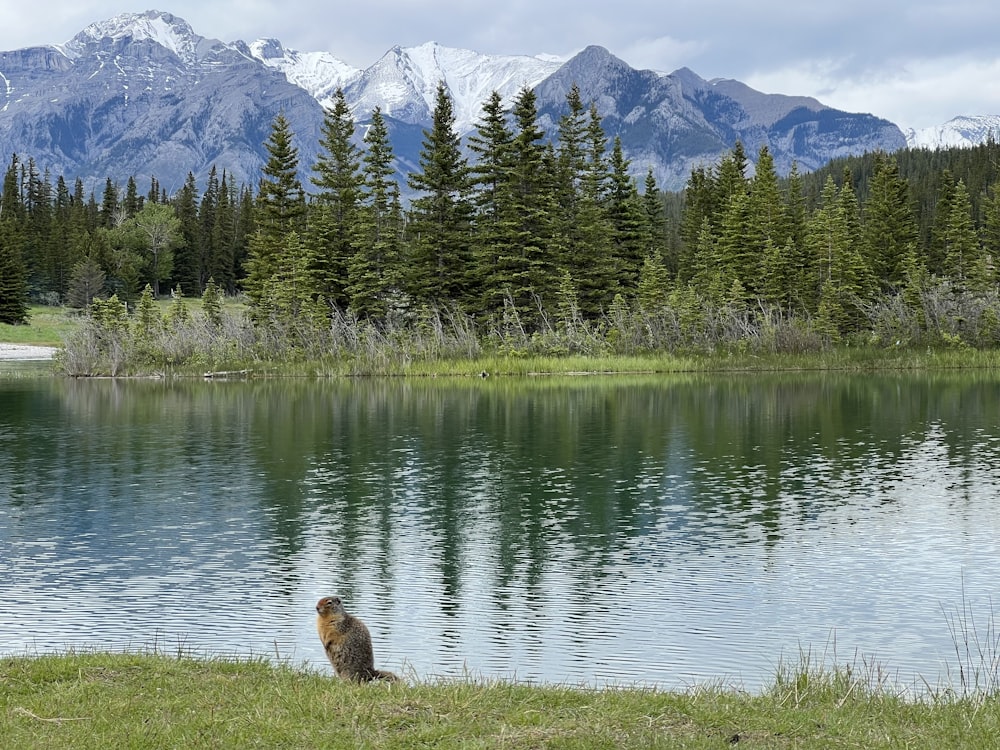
329,604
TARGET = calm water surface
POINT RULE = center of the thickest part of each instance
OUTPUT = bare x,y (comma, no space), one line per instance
654,530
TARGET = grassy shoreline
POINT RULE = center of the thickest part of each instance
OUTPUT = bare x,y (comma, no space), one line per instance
54,326
136,700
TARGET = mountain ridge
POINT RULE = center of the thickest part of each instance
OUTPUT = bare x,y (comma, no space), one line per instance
143,94
962,131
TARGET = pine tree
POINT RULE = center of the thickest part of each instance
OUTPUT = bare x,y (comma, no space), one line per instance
111,217
636,223
801,279
991,222
373,271
280,209
211,303
731,259
964,261
333,224
177,314
654,284
244,227
570,166
13,278
291,292
86,283
700,209
438,267
834,238
780,271
856,276
13,274
60,254
715,202
730,177
592,236
491,144
222,263
153,196
281,199
890,225
831,317
655,216
37,226
766,223
937,248
187,255
208,209
147,321
524,273
131,203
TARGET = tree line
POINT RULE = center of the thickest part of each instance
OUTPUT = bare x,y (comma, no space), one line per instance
512,228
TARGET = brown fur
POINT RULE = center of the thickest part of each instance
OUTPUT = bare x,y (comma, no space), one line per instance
347,642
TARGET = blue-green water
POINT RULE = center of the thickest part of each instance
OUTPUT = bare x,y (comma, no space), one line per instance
588,530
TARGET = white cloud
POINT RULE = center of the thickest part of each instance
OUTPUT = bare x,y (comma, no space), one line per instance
664,53
914,93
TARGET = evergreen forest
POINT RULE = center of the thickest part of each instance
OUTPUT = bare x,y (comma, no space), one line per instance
521,242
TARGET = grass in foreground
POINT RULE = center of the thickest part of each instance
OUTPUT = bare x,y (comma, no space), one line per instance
148,700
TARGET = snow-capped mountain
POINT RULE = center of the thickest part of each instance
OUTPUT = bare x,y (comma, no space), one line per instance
143,95
162,29
963,131
403,82
319,73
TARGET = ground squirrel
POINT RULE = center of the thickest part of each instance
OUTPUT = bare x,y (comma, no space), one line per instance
347,642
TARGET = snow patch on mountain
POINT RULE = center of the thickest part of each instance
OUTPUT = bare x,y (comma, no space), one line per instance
319,73
164,29
403,83
962,131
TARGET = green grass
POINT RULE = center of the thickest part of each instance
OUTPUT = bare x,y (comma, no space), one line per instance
46,326
98,700
842,359
49,326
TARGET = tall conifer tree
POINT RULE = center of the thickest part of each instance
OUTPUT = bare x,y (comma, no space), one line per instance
373,271
333,223
280,208
524,271
13,274
890,226
187,255
439,267
490,174
964,262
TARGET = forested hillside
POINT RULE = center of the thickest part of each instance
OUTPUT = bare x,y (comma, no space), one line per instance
538,238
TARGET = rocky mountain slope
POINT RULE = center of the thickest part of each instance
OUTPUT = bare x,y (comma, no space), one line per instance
144,95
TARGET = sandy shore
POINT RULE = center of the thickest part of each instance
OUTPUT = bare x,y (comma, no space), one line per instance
24,351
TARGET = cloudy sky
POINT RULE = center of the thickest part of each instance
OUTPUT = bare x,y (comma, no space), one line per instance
917,63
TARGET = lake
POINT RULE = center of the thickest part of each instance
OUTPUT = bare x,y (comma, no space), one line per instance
589,530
